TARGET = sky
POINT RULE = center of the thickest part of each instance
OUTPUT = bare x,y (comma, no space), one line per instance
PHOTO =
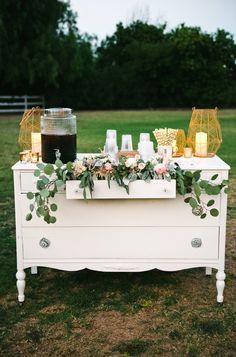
99,17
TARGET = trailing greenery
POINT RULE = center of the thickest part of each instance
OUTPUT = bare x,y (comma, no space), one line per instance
51,178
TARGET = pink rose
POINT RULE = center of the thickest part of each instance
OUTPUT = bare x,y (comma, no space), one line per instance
108,166
160,169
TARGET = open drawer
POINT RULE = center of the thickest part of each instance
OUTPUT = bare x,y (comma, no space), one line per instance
137,190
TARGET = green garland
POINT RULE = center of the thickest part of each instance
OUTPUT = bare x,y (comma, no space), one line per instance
51,178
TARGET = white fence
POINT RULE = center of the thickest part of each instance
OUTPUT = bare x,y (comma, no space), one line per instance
17,104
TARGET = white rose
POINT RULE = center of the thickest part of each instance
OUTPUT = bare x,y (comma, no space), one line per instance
141,166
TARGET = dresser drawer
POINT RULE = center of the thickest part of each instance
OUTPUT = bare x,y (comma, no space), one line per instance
121,242
95,213
137,190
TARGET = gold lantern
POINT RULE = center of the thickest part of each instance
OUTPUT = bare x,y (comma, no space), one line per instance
204,132
30,132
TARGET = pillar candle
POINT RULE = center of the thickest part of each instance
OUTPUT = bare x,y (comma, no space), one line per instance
36,142
201,144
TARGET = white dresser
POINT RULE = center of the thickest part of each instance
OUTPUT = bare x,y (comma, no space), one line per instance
121,235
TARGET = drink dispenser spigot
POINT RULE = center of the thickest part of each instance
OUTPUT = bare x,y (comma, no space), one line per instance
58,130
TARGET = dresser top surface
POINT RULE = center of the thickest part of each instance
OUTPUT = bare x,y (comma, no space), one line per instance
194,163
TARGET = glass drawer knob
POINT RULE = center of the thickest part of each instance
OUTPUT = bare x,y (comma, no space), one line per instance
44,243
196,242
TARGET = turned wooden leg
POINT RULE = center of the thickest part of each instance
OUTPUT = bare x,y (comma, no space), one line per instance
208,271
220,284
34,270
20,283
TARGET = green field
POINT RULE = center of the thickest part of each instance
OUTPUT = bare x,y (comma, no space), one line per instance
104,314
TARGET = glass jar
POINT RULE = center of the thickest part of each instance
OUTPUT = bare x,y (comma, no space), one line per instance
58,130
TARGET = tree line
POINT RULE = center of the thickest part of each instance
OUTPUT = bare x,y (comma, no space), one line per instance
140,66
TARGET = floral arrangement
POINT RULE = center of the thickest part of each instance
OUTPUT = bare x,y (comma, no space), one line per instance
51,179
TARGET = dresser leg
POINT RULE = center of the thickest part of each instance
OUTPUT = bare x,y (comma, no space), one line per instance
208,271
20,283
220,284
34,270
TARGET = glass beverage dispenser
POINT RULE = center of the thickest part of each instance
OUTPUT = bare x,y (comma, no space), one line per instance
58,129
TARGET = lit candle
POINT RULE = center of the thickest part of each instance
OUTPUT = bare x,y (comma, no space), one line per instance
34,157
36,142
188,152
23,156
201,144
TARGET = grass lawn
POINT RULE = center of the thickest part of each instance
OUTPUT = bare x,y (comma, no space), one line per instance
115,314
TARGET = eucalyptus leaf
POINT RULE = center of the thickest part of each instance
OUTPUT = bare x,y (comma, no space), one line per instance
37,173
197,175
215,190
210,203
203,183
49,169
31,207
197,189
188,174
28,217
187,199
226,190
45,179
40,165
40,185
41,211
69,166
52,219
214,212
214,177
30,195
44,193
59,183
209,189
53,207
193,203
203,216
58,163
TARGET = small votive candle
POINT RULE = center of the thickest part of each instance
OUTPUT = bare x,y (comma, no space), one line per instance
188,153
23,156
34,157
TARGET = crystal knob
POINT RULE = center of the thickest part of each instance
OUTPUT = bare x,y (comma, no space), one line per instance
196,242
44,243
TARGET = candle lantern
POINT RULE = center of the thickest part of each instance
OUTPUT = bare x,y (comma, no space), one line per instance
204,132
30,132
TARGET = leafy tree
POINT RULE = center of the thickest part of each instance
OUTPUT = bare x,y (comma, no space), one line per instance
41,50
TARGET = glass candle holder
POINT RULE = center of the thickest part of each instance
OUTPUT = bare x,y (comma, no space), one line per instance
34,157
188,153
23,157
126,144
144,137
111,134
